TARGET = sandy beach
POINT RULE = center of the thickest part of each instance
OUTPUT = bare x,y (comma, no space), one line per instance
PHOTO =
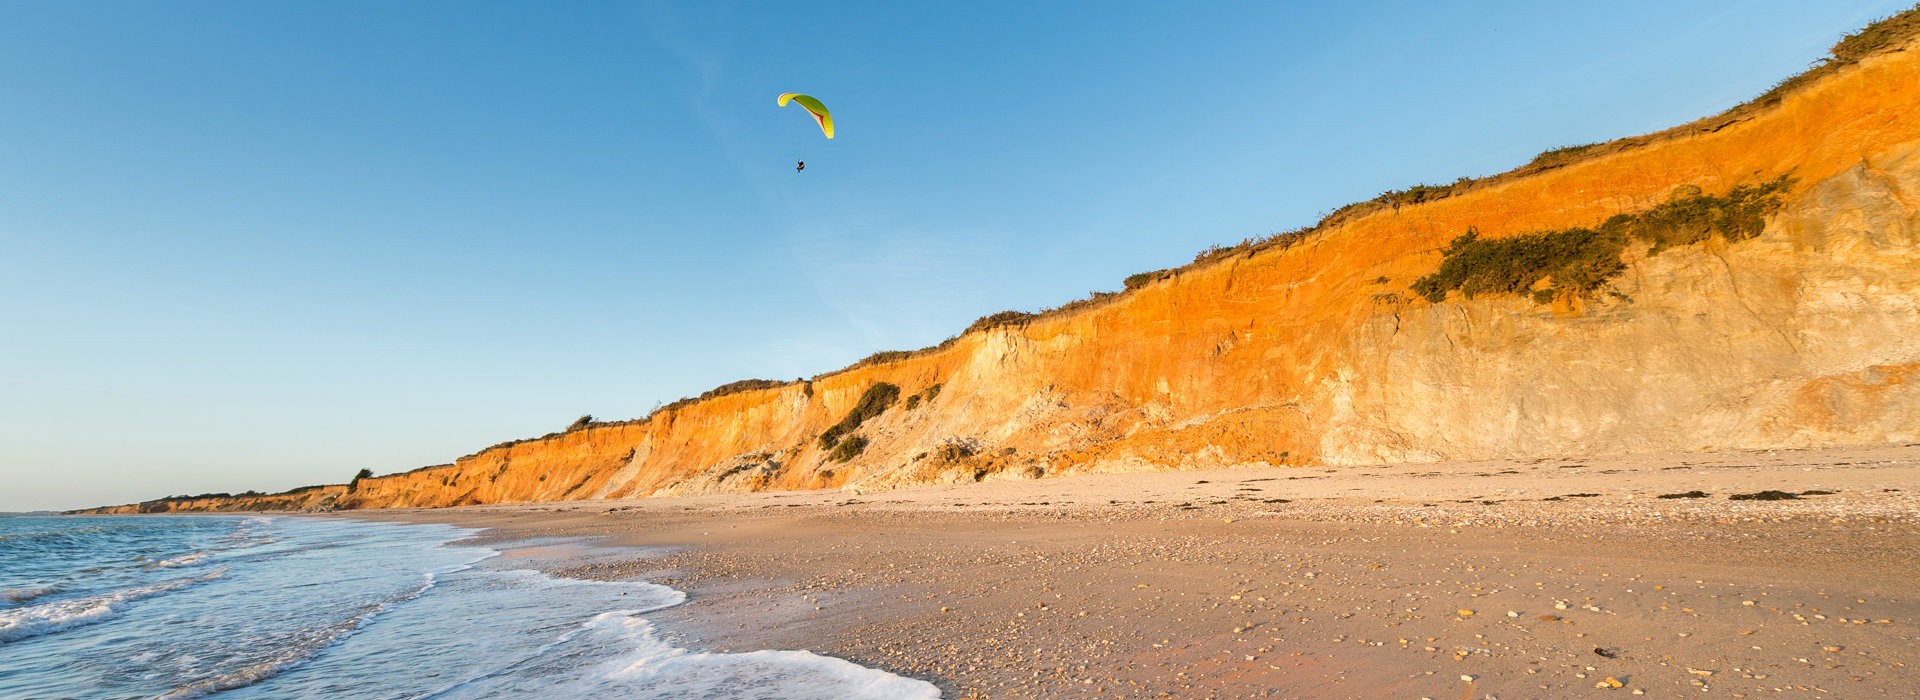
1658,576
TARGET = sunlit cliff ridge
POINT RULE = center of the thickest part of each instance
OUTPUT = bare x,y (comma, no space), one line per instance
1317,349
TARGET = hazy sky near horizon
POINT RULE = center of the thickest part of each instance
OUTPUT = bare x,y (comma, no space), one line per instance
263,245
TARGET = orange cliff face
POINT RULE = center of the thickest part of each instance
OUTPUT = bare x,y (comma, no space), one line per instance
1319,353
307,498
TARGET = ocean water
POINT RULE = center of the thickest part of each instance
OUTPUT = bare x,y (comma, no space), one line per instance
255,607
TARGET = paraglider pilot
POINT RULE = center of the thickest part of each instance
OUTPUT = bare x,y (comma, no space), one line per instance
816,110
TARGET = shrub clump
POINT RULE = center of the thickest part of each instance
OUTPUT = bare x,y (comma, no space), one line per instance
1577,260
1004,318
1580,261
1555,157
883,357
925,396
1692,217
872,403
1219,252
1142,279
1878,36
1423,193
727,389
848,449
740,386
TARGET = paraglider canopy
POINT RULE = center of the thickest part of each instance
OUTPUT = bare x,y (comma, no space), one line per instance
813,107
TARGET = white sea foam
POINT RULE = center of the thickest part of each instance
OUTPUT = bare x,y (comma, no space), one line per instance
656,669
34,620
182,560
618,655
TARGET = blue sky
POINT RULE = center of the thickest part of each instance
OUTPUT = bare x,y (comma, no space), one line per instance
262,245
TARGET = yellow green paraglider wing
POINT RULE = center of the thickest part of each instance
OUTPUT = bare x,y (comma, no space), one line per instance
813,107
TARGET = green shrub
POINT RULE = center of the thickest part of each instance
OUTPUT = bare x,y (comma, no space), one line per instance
883,357
1094,298
925,396
1881,35
1561,156
1216,252
1580,261
1422,193
1577,260
872,403
848,449
198,497
1004,318
1691,217
1136,281
719,391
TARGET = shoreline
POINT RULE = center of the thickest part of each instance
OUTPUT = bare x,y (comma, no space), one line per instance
1376,581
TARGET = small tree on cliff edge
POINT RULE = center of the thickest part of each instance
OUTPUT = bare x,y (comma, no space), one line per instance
355,484
581,422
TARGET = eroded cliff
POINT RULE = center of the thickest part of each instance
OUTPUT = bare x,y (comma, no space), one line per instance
1807,334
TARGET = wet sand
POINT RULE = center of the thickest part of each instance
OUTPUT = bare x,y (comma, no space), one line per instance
1535,579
